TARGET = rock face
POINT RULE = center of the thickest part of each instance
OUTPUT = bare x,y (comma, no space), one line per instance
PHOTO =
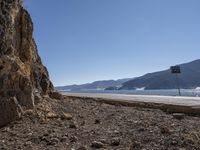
23,78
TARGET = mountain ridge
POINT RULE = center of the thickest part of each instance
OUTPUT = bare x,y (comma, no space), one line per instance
189,78
101,84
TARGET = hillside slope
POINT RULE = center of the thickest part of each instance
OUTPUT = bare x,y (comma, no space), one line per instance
189,78
94,85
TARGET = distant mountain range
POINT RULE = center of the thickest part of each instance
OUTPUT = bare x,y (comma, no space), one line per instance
97,85
188,79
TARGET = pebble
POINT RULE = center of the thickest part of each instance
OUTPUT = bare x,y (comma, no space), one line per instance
116,132
104,141
97,121
136,144
164,130
52,115
27,143
178,116
141,129
63,139
115,142
53,141
73,125
82,148
73,139
96,144
66,116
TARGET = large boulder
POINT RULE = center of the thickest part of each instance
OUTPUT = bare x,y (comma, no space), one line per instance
10,110
23,78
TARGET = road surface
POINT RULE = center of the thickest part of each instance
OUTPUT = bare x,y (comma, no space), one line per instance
193,102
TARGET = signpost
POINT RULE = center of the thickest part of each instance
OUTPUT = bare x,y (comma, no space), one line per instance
176,70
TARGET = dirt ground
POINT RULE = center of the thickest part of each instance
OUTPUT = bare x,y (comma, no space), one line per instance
78,124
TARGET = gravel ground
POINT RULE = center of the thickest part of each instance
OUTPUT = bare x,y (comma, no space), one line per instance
77,124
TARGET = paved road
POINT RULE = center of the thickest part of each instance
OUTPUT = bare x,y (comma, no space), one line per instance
182,101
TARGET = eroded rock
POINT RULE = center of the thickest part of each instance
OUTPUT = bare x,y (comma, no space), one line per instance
55,95
9,110
22,74
96,144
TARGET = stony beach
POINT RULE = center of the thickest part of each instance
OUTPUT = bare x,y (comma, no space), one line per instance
84,124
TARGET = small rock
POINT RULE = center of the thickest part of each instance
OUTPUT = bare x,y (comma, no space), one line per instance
97,121
115,142
37,98
29,112
136,144
73,139
82,123
178,116
164,130
55,95
82,148
53,141
28,143
141,129
35,140
63,139
96,144
52,115
116,132
174,142
104,141
44,139
66,116
73,125
46,134
7,129
80,116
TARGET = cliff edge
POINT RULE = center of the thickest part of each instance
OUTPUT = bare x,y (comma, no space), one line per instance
23,78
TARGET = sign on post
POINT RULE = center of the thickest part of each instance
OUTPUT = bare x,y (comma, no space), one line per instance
176,70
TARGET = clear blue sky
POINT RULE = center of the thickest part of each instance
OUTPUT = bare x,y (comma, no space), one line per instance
86,40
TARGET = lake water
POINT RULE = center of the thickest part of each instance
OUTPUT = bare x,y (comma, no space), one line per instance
174,92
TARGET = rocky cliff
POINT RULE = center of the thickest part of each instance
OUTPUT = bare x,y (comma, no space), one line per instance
23,78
